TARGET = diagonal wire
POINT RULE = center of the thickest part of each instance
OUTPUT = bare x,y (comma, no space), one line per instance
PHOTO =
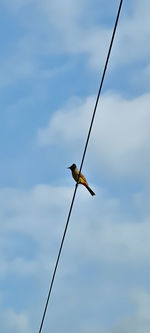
83,157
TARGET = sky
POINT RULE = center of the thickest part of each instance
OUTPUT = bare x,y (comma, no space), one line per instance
51,61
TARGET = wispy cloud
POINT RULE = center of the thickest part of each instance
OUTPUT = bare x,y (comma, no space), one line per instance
140,319
18,322
71,36
120,138
112,240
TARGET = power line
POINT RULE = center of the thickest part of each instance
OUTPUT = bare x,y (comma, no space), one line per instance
83,157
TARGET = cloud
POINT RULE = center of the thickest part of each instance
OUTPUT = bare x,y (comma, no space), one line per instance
64,30
119,242
29,211
15,322
100,235
120,138
40,213
140,320
135,323
75,37
67,123
131,44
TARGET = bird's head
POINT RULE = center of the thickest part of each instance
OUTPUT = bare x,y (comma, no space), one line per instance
72,167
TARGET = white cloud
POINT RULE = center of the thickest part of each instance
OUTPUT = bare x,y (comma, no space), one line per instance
67,124
15,322
66,22
114,241
111,238
31,211
120,139
131,42
72,36
140,321
132,39
63,29
41,212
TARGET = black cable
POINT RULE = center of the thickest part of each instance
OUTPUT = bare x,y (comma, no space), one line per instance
101,84
83,157
53,277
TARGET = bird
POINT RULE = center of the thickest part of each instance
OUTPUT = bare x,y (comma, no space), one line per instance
82,180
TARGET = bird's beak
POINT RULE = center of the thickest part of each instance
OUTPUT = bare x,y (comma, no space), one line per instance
68,167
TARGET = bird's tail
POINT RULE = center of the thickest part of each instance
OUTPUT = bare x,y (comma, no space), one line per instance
89,189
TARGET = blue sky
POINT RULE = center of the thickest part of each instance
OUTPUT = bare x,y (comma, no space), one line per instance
51,60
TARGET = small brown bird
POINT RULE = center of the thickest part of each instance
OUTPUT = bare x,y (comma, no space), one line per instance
82,179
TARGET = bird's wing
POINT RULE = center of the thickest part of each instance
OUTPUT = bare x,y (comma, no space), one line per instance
82,178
